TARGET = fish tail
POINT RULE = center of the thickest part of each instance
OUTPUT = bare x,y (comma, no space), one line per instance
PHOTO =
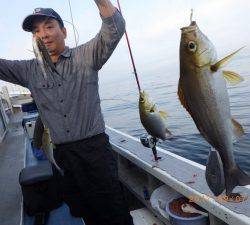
214,173
236,177
53,162
58,168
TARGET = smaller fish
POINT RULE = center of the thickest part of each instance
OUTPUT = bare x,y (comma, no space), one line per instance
47,147
153,121
43,57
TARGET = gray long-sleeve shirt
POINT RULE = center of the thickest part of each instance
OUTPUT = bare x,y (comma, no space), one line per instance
69,103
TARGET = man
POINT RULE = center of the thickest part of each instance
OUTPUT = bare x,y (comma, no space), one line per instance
69,105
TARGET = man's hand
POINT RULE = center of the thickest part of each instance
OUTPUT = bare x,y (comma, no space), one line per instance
105,7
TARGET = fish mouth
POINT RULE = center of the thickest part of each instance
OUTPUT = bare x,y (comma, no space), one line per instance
192,27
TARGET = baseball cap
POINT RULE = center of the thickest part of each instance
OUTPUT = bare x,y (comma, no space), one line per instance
38,12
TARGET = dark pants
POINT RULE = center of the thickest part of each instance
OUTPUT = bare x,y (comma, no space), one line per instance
90,184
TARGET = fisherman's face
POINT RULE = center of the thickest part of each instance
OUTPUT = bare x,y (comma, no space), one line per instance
53,36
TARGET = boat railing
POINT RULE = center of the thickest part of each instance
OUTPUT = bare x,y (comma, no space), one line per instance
138,170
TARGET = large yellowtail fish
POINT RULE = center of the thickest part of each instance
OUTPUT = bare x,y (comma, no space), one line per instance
202,91
154,121
43,57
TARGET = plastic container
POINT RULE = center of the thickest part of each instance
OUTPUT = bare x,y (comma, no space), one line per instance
160,198
28,118
178,220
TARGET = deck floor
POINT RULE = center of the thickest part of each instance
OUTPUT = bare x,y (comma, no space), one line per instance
12,156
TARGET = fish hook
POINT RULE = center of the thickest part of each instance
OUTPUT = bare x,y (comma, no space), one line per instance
191,15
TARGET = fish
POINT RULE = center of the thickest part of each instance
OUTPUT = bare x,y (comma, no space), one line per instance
202,91
153,121
47,147
43,57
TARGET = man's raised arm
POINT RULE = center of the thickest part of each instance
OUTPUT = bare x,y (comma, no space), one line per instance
105,7
98,50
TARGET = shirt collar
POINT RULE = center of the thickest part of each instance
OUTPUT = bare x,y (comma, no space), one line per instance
67,52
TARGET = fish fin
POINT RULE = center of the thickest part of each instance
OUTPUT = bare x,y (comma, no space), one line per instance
232,77
236,177
58,168
223,61
215,173
238,130
153,108
169,135
181,95
163,114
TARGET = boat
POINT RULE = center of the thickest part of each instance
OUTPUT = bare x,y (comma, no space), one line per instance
140,175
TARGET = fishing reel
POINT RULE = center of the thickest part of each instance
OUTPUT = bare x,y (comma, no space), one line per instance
148,141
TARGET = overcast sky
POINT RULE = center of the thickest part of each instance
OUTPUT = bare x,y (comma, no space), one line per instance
153,27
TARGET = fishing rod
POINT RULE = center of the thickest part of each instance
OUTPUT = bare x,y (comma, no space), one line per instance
130,52
148,141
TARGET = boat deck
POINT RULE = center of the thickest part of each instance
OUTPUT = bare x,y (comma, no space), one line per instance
136,170
12,159
15,154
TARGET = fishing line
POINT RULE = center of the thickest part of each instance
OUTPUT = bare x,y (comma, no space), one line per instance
75,29
130,52
72,22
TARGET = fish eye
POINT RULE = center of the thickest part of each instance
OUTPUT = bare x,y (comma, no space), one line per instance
192,46
141,99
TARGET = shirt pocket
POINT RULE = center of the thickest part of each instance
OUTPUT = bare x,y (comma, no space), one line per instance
45,93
